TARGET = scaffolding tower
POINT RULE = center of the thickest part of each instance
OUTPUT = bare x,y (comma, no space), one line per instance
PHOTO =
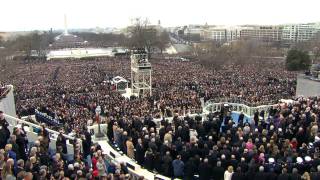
140,73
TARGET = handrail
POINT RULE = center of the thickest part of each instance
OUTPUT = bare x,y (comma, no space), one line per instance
237,100
209,102
104,144
140,172
205,111
35,125
211,106
6,91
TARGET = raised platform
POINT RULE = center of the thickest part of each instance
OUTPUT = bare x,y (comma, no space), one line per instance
7,104
78,53
307,87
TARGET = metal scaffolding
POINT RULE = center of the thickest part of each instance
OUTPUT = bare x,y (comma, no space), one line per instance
141,73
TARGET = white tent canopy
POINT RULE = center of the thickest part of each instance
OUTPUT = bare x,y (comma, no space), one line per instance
118,79
120,83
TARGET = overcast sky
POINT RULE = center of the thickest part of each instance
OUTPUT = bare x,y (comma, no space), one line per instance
46,14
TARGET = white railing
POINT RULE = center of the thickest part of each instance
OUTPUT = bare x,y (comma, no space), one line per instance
7,104
211,107
31,130
5,91
115,155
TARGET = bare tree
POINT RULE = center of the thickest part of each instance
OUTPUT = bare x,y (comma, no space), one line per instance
239,52
162,41
103,39
142,35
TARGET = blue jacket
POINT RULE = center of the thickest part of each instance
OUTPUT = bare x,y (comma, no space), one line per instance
178,167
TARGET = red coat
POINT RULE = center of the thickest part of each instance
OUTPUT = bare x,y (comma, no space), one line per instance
94,164
294,144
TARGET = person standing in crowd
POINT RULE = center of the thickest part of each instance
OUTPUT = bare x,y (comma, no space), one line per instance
306,176
101,167
130,148
62,142
178,167
218,171
22,141
149,159
316,175
167,164
140,151
86,149
228,173
247,145
295,174
20,166
4,131
284,175
238,175
261,175
15,146
205,170
44,139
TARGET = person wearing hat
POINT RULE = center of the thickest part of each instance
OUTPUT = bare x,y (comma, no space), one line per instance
70,170
79,174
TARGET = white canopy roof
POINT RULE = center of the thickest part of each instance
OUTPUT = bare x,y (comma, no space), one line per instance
118,79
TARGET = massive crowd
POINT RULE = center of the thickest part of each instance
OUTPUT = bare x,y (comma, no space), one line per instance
284,146
71,90
24,160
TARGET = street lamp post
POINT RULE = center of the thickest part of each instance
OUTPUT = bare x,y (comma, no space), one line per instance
98,111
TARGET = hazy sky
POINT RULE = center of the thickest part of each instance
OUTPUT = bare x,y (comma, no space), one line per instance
44,14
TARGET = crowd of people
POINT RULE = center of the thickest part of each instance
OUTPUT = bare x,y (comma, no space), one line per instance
70,91
24,160
285,146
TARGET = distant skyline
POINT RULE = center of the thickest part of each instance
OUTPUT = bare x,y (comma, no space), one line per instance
25,15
